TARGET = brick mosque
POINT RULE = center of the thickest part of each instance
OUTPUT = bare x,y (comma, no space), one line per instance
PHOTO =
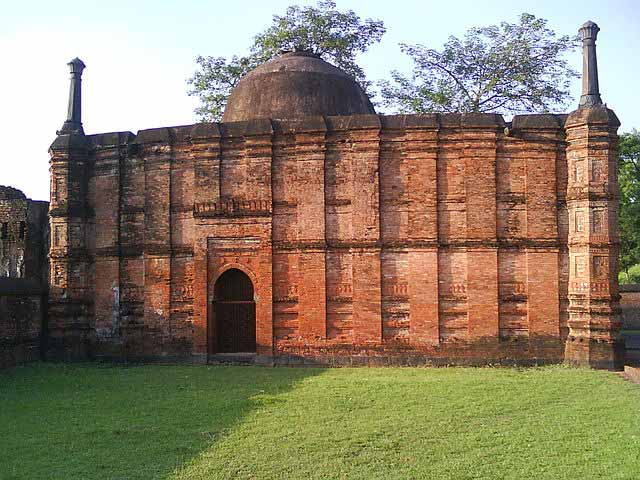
306,228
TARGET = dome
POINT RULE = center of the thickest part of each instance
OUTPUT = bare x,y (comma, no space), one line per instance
295,85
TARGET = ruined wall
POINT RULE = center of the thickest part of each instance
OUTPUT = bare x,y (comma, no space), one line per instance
22,318
440,237
23,236
23,275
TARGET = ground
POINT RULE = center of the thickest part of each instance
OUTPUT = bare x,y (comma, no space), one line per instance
94,421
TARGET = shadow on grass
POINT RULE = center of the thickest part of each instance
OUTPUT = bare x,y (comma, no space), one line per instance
94,421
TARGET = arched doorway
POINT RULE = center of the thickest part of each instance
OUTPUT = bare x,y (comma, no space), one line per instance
234,314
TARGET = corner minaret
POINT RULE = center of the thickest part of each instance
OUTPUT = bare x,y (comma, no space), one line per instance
590,88
73,124
70,216
593,239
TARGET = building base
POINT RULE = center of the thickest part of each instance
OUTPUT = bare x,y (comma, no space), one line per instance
595,354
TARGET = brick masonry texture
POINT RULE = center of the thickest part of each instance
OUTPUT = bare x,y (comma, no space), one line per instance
22,317
24,236
368,239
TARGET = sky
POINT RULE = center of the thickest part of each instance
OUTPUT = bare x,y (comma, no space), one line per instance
139,55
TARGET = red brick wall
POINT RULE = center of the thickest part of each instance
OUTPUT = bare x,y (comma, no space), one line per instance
434,236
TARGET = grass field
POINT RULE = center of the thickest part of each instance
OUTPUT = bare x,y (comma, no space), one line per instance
195,422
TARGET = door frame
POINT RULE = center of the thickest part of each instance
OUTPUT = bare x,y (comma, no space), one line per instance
212,334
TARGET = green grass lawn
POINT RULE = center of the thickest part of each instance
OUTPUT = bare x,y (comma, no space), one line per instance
196,422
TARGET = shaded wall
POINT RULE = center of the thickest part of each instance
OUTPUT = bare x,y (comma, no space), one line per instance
630,306
22,317
24,247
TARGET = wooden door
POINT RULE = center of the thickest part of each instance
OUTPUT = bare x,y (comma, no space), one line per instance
234,313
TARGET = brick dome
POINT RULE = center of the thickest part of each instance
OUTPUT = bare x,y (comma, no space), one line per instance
295,85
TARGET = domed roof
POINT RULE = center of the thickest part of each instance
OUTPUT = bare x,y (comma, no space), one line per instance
295,85
10,193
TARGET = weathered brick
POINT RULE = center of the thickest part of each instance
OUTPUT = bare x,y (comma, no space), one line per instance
413,237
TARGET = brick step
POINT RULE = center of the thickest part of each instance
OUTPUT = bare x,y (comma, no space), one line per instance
232,358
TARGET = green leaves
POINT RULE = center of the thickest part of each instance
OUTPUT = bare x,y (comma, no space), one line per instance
214,82
506,68
335,36
629,215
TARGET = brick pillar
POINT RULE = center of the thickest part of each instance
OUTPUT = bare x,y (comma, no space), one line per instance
258,141
541,223
480,145
592,204
421,144
156,150
423,296
70,301
201,300
107,235
264,301
310,158
365,224
206,151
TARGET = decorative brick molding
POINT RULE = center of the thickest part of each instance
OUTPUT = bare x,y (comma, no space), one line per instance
233,208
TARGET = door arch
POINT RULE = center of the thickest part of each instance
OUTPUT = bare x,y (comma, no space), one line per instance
234,314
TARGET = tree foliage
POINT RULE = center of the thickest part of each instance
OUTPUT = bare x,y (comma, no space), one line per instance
336,36
505,68
629,182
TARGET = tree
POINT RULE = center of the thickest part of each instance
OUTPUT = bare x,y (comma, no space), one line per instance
629,215
506,68
335,36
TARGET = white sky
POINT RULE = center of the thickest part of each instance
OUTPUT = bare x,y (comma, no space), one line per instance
140,54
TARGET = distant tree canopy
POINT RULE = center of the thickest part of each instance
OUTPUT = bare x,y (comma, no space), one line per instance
505,68
336,36
629,181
